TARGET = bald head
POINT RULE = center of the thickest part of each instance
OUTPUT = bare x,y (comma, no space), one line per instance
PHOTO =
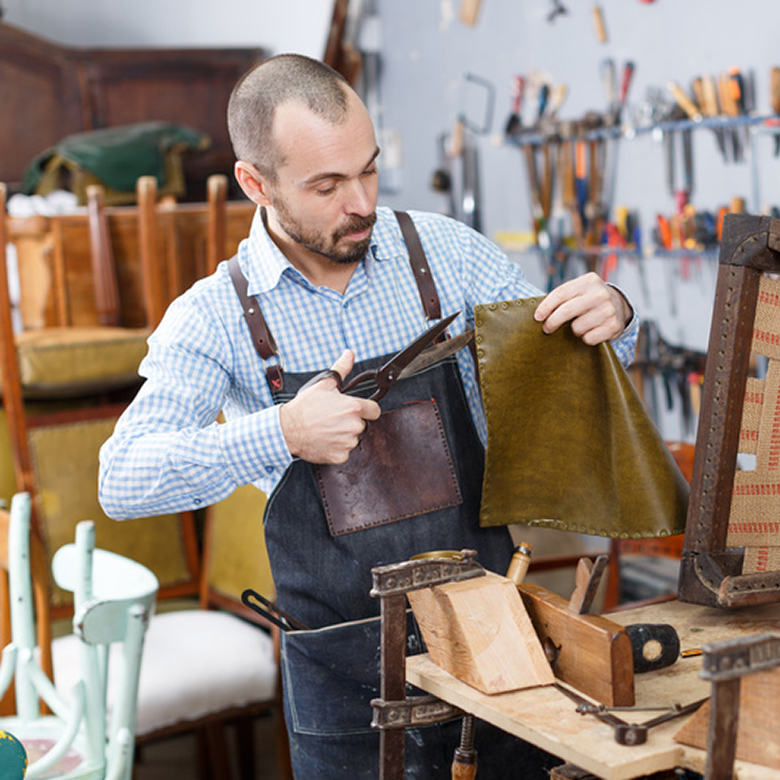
283,79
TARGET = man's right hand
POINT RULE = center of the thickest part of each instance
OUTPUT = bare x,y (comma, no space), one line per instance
323,425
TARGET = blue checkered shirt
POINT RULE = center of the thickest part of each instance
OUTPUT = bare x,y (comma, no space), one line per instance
169,453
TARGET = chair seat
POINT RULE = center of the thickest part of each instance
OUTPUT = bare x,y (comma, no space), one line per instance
65,362
233,665
38,738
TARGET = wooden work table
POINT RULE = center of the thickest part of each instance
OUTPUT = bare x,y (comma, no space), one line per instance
546,717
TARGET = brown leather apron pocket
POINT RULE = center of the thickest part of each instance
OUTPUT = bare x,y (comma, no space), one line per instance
401,468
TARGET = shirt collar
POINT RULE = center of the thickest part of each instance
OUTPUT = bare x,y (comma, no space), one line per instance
265,263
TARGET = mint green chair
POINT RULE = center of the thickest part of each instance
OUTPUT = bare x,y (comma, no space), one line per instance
113,598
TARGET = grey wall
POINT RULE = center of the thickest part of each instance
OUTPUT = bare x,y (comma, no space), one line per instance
286,25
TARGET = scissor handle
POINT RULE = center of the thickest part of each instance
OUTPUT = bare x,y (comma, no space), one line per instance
329,373
356,380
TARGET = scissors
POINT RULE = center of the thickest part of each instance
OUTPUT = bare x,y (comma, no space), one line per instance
387,375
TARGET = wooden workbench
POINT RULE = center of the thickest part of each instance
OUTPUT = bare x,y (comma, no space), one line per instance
547,718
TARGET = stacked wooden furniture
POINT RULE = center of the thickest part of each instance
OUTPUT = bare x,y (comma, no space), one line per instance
51,91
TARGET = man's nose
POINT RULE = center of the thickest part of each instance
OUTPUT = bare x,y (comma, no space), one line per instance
360,199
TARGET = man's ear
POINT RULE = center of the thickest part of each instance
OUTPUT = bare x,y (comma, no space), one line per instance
252,183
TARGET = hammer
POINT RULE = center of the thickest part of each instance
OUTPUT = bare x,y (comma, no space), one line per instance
654,645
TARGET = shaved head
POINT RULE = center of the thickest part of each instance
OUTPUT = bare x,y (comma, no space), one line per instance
283,79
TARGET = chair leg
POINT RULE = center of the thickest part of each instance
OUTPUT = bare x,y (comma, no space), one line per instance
245,747
204,754
219,758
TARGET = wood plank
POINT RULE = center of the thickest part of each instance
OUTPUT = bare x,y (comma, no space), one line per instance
548,718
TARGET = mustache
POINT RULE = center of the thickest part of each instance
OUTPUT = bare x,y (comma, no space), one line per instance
355,226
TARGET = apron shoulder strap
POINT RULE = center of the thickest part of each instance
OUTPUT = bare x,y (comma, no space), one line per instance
420,268
258,328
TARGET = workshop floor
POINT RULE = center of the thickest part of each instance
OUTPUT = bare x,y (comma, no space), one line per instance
176,758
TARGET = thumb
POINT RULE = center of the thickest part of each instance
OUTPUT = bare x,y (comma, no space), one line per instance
344,364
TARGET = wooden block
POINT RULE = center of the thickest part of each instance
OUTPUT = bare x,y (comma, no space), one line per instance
758,736
594,653
478,631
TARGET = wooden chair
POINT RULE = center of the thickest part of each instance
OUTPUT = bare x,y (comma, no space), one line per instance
208,668
65,379
113,599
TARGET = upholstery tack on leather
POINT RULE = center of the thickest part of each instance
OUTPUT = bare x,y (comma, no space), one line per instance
570,443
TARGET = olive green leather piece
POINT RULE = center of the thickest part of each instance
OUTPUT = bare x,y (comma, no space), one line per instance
570,443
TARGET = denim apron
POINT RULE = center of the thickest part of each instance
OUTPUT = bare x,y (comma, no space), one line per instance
331,672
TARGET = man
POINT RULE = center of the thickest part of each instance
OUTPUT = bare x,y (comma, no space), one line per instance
326,280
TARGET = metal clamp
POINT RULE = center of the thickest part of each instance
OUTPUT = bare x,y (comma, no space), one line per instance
411,712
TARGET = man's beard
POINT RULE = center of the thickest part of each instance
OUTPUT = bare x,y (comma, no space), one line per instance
353,253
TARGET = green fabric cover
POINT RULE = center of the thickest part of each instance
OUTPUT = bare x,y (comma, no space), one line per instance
118,155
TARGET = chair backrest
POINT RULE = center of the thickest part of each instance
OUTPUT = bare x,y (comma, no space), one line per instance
182,242
113,598
40,598
234,553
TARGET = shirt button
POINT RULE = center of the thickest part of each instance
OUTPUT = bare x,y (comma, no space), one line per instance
270,469
197,501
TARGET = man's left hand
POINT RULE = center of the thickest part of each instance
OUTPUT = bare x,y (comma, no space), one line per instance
597,311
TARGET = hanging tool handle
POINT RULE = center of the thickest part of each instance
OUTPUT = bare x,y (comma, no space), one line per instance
685,103
738,90
709,105
625,85
518,87
774,86
599,24
608,81
543,98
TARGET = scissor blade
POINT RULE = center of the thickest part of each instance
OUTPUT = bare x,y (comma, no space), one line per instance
391,371
437,353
